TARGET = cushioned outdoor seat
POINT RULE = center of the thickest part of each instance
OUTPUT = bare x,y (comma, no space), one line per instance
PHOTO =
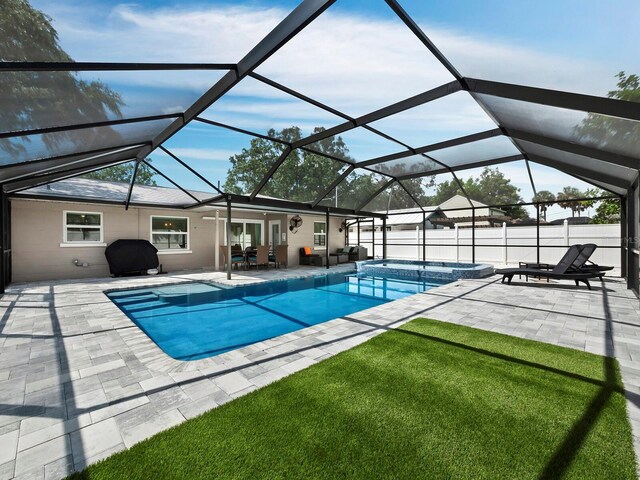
307,257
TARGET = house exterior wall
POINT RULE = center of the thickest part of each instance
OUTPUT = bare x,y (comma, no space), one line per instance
37,234
458,201
304,236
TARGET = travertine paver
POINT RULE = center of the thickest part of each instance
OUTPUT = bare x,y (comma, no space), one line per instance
79,381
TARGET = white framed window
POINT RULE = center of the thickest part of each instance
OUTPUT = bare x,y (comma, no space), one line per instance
319,234
170,234
82,229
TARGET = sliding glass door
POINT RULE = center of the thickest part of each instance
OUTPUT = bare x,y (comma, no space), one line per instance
274,234
247,233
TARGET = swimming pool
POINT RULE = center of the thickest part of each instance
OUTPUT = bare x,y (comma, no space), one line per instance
190,321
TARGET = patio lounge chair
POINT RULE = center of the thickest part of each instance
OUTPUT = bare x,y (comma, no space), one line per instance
564,270
583,263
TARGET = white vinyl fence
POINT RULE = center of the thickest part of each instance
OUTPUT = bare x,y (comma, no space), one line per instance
512,244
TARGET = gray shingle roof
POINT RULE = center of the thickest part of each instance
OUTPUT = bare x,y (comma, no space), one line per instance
84,188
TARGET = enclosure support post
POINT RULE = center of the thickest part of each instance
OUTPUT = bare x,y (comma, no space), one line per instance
505,255
326,239
216,243
456,237
228,238
632,237
473,234
347,239
424,236
537,233
373,238
384,237
623,235
358,226
3,233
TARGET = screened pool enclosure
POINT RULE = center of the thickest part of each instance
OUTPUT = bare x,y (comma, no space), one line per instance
358,147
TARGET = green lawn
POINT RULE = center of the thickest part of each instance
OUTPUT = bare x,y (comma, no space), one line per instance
430,400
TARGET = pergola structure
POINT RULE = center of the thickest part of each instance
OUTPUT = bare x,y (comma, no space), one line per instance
532,125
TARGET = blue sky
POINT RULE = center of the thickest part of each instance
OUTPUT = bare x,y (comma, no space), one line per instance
356,57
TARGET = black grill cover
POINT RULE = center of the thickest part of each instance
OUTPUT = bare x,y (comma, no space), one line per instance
131,256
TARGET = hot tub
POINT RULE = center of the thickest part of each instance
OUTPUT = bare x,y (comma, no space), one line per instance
420,270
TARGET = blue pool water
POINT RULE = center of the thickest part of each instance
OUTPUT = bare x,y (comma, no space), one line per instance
198,320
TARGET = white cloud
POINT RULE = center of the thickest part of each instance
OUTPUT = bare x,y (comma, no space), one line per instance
351,62
173,109
203,153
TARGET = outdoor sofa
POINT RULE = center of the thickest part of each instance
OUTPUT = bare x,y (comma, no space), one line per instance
308,257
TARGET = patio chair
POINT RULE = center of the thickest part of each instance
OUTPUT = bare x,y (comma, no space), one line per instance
251,255
357,253
262,256
282,254
564,270
237,259
307,257
340,254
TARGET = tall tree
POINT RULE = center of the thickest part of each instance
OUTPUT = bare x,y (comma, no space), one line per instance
445,190
122,173
251,165
547,197
613,133
45,99
569,198
304,175
491,187
417,187
607,211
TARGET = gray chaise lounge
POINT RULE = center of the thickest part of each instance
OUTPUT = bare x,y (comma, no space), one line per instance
570,267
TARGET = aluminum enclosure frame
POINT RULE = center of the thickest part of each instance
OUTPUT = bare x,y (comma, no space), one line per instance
19,176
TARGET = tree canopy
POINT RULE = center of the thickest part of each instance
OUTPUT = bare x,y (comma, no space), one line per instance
607,211
46,99
576,200
544,196
123,172
306,174
491,187
613,133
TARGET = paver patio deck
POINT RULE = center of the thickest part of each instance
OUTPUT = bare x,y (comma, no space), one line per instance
79,381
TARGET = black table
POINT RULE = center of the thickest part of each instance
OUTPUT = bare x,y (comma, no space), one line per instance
539,266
